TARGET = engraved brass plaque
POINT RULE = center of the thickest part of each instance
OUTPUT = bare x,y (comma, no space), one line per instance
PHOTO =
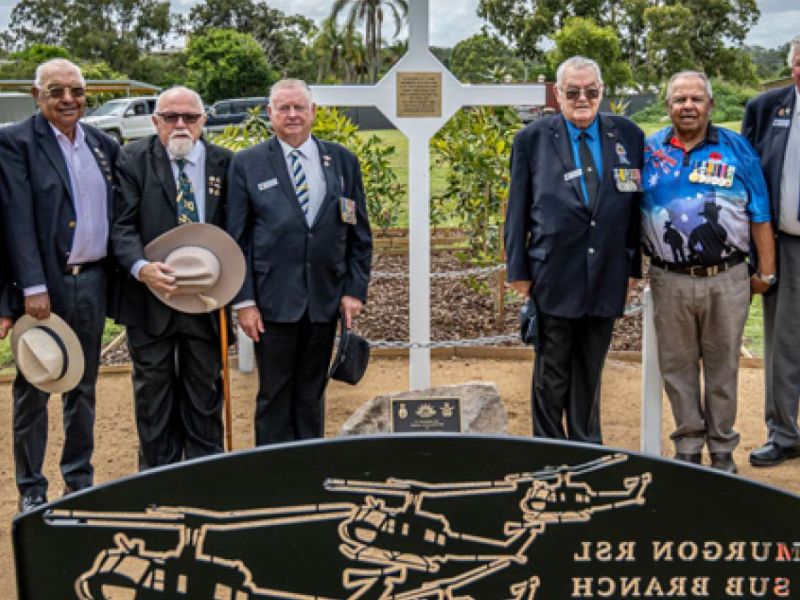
419,94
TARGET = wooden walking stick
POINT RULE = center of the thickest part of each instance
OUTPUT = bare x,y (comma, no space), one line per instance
226,379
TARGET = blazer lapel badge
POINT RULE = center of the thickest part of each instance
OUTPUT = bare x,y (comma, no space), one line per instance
103,162
214,185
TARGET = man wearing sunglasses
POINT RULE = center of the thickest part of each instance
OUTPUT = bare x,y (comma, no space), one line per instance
572,243
166,180
56,188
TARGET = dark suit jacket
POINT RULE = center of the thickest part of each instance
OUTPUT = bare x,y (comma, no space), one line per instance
146,207
770,141
579,257
293,267
36,192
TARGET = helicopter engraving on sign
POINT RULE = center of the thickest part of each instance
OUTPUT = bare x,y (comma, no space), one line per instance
395,545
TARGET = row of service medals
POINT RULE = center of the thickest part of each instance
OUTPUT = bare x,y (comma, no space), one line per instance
628,180
712,172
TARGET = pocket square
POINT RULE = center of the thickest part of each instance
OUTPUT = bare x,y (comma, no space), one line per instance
265,185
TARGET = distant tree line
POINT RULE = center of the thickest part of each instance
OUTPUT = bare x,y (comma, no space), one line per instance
239,47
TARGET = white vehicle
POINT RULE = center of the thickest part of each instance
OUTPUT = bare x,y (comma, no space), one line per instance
125,118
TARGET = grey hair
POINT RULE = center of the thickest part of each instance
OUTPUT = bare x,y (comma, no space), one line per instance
176,89
794,49
55,63
577,62
285,84
699,74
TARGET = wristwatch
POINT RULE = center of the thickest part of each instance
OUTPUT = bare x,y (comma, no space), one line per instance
768,279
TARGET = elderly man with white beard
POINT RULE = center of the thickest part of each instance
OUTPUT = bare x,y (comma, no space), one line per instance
167,180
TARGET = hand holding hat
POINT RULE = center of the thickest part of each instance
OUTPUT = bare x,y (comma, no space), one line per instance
206,264
47,353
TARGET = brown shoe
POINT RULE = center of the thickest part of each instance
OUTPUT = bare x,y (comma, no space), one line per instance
724,462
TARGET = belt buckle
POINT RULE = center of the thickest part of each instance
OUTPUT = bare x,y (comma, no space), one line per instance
697,271
712,271
74,270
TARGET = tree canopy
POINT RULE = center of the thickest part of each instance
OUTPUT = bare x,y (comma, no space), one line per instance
654,36
224,63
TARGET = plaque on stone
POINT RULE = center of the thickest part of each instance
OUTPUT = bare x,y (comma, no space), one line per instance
421,415
419,94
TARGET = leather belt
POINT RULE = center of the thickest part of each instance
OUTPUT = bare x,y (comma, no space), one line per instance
699,270
75,270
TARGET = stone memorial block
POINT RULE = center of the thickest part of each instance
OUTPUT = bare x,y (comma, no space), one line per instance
481,409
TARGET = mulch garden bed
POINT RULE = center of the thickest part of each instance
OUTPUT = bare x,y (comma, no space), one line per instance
461,308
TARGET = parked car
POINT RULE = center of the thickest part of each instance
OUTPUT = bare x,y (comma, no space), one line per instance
125,118
233,111
15,106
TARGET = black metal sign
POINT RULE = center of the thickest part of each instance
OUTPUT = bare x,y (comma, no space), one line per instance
416,517
424,415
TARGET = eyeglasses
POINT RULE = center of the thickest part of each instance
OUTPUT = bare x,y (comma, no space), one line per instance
591,93
285,109
173,118
57,92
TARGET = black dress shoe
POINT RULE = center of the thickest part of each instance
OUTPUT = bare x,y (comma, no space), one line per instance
771,454
723,461
693,457
28,503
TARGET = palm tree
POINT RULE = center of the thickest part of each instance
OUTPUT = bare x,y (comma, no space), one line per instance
340,58
371,13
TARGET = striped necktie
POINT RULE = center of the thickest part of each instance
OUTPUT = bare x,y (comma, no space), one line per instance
187,206
300,181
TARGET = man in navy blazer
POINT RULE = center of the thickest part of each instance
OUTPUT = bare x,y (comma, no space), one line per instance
56,185
772,125
572,242
296,206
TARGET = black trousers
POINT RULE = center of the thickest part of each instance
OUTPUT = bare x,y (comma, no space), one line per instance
177,388
566,377
85,312
293,361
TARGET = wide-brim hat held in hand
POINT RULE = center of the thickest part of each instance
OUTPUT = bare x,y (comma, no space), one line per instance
47,353
208,266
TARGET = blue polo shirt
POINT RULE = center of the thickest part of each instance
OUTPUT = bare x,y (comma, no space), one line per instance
593,141
698,205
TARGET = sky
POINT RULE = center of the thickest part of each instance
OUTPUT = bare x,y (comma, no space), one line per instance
452,21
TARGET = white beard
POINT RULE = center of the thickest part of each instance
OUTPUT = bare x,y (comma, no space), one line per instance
179,147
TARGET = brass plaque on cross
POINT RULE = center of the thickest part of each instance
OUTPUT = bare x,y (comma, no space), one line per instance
419,94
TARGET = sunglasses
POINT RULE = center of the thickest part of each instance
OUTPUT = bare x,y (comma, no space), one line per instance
58,92
172,118
591,93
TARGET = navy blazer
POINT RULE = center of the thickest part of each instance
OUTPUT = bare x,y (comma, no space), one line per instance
292,267
145,207
769,141
37,197
578,257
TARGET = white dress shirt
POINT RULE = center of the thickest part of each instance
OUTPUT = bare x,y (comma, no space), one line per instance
89,199
195,168
790,178
312,166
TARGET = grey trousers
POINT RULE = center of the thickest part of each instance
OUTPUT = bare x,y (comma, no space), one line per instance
781,337
85,312
700,320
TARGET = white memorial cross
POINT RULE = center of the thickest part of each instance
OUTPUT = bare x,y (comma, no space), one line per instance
427,87
416,64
